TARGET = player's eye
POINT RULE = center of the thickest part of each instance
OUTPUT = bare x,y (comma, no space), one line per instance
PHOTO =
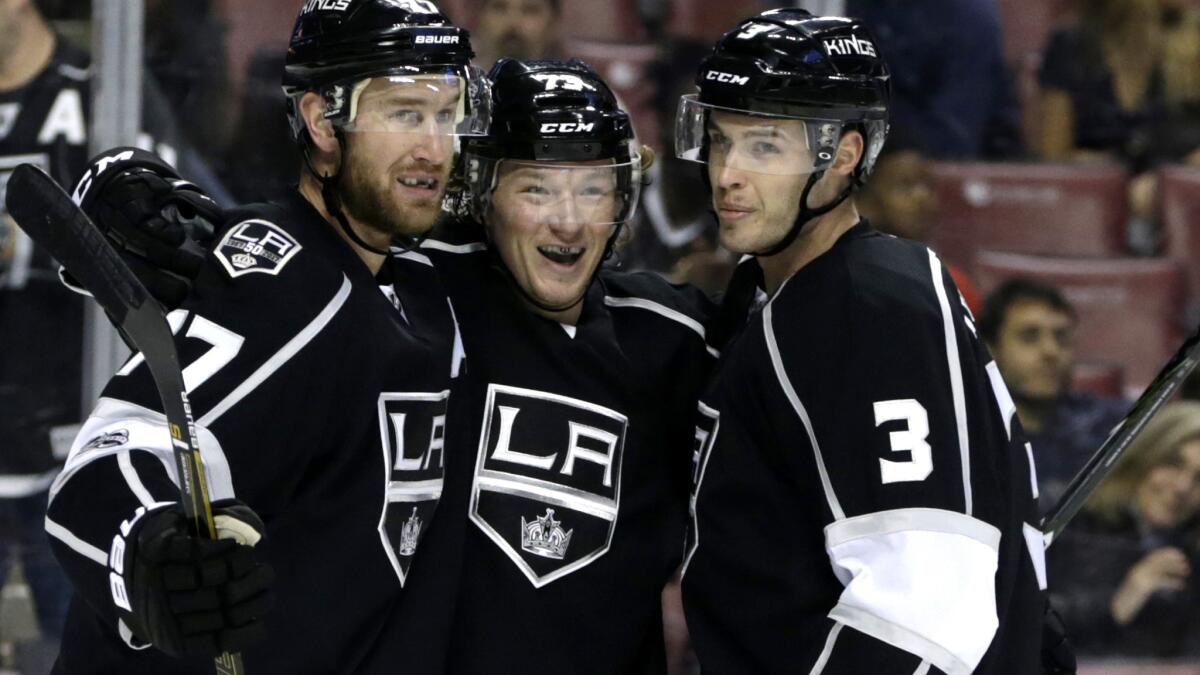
765,148
405,118
445,116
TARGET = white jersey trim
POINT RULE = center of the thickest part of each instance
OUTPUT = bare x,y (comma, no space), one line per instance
281,357
436,245
888,558
411,255
801,411
75,543
1035,543
118,427
664,311
956,379
827,650
923,669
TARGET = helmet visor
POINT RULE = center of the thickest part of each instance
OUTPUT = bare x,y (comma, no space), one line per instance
591,193
441,101
752,141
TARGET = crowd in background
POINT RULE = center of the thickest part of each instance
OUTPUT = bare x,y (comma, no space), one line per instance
1115,83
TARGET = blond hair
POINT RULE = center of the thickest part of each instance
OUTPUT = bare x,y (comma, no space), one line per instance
1158,444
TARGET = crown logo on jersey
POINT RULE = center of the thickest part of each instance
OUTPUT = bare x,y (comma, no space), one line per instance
409,534
544,536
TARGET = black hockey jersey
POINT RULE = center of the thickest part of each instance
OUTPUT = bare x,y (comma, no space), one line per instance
568,472
864,500
319,401
45,122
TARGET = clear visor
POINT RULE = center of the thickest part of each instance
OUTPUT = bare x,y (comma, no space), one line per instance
454,102
754,142
588,193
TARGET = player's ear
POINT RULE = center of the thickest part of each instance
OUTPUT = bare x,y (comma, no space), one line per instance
850,149
320,130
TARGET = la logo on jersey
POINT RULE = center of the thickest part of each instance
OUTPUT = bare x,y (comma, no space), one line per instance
256,246
548,480
413,430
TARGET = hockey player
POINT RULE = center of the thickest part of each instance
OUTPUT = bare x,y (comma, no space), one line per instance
320,402
573,421
864,500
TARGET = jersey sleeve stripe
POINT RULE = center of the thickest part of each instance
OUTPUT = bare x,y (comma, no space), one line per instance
75,543
827,651
956,378
1035,543
786,384
923,669
664,311
281,357
900,637
436,245
131,478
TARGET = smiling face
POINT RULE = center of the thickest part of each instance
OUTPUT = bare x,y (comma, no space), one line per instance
756,166
1170,493
550,224
399,153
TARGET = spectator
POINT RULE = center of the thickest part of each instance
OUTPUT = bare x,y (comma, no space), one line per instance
1030,328
520,29
45,97
1123,572
950,87
900,200
1123,82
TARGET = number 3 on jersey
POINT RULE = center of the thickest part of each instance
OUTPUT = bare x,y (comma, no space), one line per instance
911,439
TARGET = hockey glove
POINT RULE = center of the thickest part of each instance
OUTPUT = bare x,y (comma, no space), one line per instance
161,225
191,596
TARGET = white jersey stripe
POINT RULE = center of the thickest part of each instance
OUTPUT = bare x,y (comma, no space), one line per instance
923,669
75,543
282,356
956,379
663,310
454,248
823,659
131,478
786,384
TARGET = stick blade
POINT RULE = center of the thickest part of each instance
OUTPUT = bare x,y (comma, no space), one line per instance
48,215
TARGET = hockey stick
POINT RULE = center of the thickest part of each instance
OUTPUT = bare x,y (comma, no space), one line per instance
46,213
1160,390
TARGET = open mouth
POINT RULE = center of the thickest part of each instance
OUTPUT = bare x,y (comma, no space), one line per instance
563,255
419,183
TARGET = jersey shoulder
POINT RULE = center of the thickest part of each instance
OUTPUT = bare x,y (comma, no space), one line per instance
455,237
647,297
895,280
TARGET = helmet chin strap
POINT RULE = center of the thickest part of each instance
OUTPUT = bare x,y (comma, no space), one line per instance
807,214
331,193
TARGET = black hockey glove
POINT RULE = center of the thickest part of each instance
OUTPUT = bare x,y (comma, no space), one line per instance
190,596
161,225
1058,656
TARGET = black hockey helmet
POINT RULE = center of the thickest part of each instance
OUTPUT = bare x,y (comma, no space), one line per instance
786,65
557,115
338,44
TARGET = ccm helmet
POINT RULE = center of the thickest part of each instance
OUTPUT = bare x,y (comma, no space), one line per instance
778,68
559,119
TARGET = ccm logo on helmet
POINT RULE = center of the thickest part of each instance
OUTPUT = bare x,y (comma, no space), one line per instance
437,39
727,77
850,46
566,127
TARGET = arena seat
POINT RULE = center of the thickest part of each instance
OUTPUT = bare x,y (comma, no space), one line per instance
1130,309
1026,24
627,68
1044,209
1179,190
1101,379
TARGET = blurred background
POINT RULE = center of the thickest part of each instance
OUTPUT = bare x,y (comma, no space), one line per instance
1048,150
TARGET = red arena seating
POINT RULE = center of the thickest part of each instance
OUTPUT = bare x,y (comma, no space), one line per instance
1179,188
627,69
1026,24
616,20
1129,309
1101,379
1044,209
